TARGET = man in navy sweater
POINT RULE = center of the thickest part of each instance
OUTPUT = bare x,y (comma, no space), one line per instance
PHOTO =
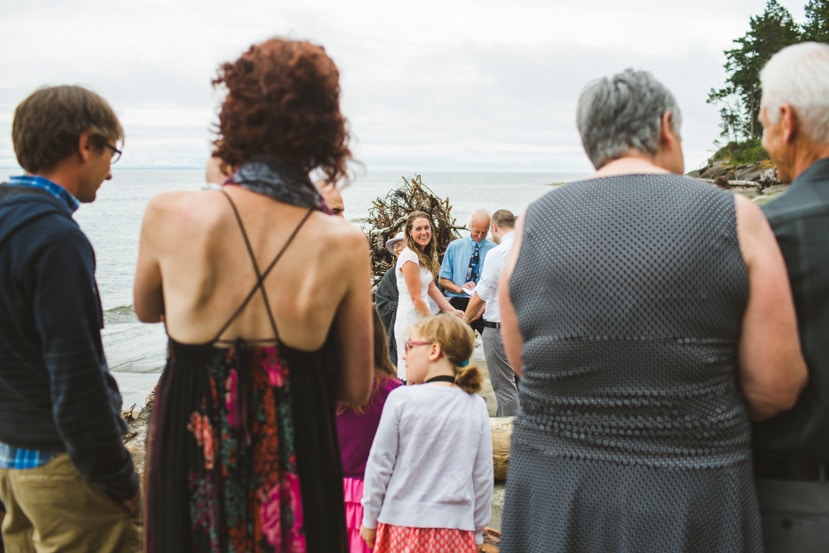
66,479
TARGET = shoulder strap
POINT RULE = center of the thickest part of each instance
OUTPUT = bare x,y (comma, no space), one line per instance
260,276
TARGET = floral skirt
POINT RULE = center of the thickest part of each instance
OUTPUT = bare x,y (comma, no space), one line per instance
405,539
241,454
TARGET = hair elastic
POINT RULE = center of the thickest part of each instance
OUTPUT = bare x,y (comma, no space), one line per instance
463,363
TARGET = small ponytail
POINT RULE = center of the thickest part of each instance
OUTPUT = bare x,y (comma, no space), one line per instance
469,379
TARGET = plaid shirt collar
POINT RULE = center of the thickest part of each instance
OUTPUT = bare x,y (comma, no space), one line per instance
12,457
45,184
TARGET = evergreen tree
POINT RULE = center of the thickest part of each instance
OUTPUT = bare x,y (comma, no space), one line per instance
817,21
767,34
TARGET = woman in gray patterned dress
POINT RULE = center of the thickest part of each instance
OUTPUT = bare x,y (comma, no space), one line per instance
651,317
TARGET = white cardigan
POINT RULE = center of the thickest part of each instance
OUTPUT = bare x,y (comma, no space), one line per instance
430,465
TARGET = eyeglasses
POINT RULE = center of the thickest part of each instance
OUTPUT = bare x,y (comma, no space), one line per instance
410,344
116,153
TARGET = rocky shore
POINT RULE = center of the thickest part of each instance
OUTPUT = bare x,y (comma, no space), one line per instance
758,181
762,173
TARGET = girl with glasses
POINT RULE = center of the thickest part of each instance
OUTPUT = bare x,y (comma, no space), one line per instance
428,481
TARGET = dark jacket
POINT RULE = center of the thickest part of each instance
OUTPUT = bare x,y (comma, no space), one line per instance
800,220
385,298
56,392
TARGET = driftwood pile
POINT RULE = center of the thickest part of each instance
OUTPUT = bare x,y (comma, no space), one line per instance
388,215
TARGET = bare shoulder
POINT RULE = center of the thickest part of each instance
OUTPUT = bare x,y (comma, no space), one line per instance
339,231
184,208
747,210
175,201
753,231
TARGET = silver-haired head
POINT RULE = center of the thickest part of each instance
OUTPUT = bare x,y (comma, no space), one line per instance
624,112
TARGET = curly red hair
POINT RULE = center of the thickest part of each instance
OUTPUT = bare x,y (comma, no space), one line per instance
283,101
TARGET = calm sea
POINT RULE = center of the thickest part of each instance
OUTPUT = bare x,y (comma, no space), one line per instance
135,352
113,221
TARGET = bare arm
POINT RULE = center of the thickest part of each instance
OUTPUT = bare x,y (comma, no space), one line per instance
474,309
771,366
353,324
449,285
441,300
148,297
510,334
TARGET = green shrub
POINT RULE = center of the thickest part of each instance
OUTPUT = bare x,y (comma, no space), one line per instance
748,151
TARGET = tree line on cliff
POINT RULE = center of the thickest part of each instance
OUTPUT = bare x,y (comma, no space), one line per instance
769,32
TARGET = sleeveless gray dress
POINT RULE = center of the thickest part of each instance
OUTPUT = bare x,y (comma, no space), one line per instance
633,435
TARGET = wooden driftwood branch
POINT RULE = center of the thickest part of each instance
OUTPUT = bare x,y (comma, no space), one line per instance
388,215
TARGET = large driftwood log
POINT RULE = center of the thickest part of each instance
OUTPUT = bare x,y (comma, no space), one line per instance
501,428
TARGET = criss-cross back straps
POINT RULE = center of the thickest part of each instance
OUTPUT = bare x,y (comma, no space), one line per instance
260,276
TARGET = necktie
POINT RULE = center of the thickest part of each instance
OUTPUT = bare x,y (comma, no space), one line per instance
472,270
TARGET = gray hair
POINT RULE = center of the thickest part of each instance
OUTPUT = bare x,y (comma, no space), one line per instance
798,75
623,112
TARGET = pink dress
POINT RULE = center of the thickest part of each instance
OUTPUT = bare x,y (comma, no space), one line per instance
356,433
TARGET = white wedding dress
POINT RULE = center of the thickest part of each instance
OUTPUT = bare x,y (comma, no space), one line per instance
406,313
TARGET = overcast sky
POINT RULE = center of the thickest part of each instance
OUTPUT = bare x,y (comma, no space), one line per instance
466,85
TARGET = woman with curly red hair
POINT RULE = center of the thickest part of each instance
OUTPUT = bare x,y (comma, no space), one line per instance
266,299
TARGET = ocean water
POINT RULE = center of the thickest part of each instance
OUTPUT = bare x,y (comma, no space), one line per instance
136,351
113,221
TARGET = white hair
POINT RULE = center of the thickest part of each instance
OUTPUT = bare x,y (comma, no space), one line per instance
476,214
798,75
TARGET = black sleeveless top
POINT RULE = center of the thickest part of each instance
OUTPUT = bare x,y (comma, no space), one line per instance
633,435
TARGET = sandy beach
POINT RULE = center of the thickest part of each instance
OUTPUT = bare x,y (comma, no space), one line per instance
136,355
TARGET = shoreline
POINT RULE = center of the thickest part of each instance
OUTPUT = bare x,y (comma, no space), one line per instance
136,354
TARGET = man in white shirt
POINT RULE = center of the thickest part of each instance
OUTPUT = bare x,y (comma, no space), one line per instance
485,299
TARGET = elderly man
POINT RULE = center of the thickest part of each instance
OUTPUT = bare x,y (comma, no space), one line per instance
485,299
460,270
67,482
791,450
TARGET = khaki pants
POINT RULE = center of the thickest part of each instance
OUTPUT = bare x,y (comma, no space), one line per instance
52,509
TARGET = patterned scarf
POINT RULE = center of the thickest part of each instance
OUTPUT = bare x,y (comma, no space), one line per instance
274,179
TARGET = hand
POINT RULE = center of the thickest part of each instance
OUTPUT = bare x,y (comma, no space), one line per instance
368,535
469,286
458,313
